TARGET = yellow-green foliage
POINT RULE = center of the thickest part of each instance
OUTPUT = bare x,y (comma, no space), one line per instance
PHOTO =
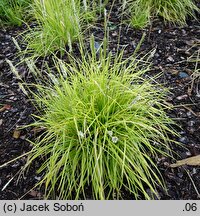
59,23
104,125
12,12
175,11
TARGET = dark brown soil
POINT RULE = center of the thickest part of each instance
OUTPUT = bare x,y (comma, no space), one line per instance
174,47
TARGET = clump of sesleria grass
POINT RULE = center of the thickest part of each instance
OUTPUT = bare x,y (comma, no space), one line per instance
58,24
13,12
174,11
104,127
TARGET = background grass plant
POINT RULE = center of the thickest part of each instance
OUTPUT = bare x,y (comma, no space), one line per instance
104,126
59,24
13,12
174,11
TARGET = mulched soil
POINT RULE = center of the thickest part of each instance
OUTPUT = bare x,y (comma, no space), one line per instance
174,46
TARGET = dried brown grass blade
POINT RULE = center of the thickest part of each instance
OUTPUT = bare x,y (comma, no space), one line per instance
192,161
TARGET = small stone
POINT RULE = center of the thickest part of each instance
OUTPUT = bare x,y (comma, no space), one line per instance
1,122
13,98
182,133
170,59
191,123
23,137
194,171
183,75
188,153
182,97
183,32
183,140
114,34
198,95
38,178
189,114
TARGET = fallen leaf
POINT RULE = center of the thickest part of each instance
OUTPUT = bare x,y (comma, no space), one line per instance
5,107
35,193
192,161
16,134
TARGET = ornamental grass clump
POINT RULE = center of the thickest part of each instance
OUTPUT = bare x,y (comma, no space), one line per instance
13,12
103,127
174,11
58,24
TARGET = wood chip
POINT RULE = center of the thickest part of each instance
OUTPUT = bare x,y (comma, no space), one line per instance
16,134
5,107
192,161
